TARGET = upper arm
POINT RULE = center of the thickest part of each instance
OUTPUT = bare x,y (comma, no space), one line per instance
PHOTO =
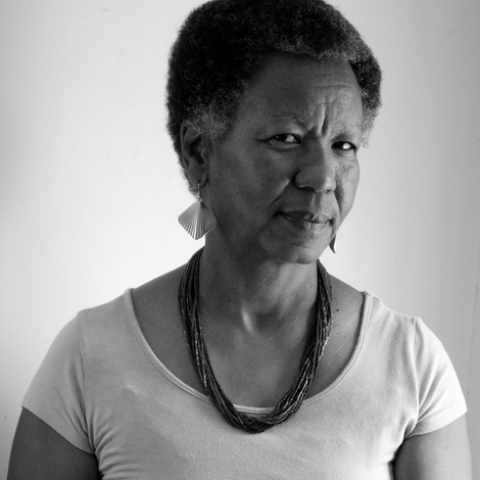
40,452
440,455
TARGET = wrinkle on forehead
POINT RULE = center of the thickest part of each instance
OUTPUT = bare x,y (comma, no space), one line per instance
302,106
330,95
311,93
278,66
292,79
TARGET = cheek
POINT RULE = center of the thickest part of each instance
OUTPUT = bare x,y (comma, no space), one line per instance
251,176
348,177
236,184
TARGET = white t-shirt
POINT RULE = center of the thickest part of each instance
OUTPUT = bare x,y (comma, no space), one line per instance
103,389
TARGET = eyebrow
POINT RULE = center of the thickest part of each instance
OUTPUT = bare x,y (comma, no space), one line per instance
347,132
345,129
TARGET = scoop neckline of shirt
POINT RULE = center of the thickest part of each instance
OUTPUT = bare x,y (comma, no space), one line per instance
246,409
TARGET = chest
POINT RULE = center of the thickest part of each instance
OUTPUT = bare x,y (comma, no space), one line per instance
155,430
256,373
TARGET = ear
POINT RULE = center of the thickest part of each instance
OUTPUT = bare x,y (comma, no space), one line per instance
194,157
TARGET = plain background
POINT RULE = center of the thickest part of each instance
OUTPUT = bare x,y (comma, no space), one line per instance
90,188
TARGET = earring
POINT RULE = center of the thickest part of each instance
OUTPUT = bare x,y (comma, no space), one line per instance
197,219
333,244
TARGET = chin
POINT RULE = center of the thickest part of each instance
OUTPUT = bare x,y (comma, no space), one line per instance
301,254
296,245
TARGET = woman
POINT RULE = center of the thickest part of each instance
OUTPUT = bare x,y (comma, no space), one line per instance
251,361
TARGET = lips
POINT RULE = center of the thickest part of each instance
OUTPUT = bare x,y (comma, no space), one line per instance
305,216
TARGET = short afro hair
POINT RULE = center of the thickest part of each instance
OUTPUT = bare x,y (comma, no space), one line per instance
222,42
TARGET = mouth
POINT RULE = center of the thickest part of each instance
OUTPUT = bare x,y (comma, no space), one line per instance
306,221
306,217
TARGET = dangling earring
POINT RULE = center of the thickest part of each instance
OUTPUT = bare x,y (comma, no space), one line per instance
197,219
333,244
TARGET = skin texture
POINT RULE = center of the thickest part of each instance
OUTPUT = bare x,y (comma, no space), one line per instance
284,179
280,185
222,36
39,452
439,455
292,149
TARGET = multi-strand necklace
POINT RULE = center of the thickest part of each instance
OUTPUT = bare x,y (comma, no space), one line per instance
290,403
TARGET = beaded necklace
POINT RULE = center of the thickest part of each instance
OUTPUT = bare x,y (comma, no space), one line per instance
320,330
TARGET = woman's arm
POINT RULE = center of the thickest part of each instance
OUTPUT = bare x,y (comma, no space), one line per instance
40,452
440,455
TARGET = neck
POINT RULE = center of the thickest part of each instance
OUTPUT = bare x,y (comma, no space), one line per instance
255,293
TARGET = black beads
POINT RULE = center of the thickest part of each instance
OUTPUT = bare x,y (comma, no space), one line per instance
290,403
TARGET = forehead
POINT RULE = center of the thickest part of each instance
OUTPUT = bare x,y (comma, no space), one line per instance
287,85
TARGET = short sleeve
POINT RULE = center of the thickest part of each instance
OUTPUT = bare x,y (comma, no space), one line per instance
440,396
57,392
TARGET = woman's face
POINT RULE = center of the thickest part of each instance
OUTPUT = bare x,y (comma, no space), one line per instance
285,177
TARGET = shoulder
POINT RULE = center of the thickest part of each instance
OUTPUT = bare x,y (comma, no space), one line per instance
158,296
158,315
159,293
399,331
412,356
156,303
104,316
383,322
346,298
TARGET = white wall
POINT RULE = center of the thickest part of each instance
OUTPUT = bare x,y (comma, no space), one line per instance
90,189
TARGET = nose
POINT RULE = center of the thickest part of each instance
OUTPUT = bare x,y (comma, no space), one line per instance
317,172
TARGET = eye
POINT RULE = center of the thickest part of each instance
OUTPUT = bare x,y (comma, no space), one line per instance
344,146
285,138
